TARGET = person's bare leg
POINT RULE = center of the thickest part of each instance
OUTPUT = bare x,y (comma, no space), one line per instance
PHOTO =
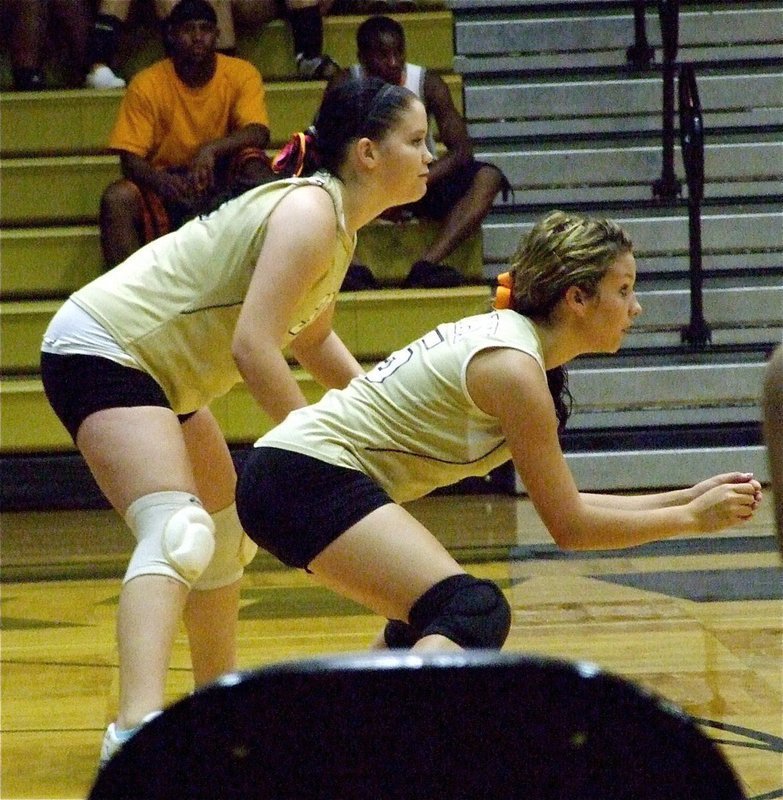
211,616
467,215
28,32
211,620
115,8
120,221
133,452
773,432
386,562
148,619
253,13
75,19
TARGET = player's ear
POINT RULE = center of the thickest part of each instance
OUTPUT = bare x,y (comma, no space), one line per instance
366,152
576,299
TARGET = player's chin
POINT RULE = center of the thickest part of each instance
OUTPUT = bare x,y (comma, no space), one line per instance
620,339
419,191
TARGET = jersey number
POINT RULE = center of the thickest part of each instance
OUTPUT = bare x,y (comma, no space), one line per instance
390,365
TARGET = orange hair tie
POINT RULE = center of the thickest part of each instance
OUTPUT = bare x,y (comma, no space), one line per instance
503,291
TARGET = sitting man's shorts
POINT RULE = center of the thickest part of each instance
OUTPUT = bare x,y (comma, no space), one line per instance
249,168
444,194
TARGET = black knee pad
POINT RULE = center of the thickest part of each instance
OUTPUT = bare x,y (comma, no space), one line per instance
398,635
472,613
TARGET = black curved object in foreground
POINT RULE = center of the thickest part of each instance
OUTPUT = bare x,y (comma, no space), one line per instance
387,726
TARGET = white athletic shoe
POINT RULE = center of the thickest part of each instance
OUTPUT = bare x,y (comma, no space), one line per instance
101,77
115,738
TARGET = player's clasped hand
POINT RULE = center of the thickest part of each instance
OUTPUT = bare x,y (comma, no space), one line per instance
725,500
727,477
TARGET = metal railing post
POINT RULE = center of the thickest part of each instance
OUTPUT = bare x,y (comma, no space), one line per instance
640,54
697,333
668,186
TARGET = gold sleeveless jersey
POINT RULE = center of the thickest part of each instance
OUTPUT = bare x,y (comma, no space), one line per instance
409,423
173,304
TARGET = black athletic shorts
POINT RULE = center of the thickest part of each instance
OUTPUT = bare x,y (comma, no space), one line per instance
443,195
294,505
77,386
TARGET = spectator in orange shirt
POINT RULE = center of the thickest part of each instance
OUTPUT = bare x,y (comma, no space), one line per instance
190,133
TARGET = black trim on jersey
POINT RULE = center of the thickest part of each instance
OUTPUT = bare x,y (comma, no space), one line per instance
432,458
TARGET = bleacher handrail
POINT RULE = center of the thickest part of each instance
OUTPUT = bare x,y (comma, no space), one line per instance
697,333
668,187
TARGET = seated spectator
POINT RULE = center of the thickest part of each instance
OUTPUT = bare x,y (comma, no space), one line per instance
306,20
460,190
304,16
30,23
191,132
109,22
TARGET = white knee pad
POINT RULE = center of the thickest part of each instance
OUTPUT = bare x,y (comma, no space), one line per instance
233,551
175,536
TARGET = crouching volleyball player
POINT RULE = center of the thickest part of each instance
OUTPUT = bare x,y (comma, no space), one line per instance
323,490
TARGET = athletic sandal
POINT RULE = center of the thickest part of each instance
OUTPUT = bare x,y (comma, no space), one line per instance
115,738
357,278
319,68
427,275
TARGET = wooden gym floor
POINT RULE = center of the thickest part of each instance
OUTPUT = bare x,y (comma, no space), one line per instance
697,620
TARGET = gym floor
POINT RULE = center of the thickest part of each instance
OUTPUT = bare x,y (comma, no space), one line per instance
696,620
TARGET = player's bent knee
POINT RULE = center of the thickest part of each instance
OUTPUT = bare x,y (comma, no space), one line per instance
234,550
119,197
473,613
175,536
189,541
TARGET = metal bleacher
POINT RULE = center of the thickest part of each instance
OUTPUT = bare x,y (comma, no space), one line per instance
552,98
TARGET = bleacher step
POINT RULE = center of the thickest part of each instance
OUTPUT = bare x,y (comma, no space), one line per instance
650,468
625,171
52,262
362,320
696,390
744,236
582,39
736,315
616,104
85,116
